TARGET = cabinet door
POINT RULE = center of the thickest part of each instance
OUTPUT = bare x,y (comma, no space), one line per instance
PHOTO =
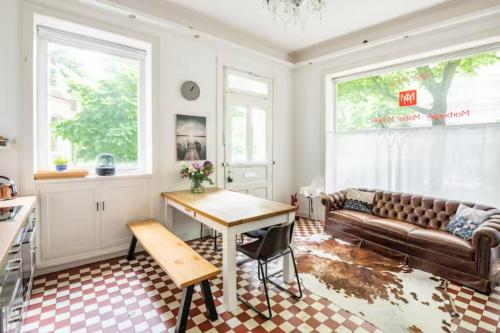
122,203
70,219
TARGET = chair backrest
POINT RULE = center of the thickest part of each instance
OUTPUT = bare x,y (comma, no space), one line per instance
276,240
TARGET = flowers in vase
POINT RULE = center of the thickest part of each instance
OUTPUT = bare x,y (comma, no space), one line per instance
198,173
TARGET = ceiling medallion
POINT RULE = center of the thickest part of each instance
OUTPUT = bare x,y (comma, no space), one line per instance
296,12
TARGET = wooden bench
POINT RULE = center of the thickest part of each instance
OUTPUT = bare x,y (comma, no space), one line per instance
182,264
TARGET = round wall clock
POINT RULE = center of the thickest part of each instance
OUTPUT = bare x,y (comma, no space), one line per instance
190,90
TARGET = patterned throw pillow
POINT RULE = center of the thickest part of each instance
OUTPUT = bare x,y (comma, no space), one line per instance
359,201
465,221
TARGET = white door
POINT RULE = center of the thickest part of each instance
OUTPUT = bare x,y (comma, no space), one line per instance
248,166
121,203
70,219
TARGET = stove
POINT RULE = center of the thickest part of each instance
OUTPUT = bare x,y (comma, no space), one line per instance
8,214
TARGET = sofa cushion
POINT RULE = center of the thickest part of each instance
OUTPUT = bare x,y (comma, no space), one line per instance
349,217
441,242
360,201
389,227
466,221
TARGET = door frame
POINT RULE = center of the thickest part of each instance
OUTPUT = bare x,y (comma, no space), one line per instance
222,68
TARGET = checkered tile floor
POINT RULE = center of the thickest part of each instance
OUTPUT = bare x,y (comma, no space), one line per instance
137,296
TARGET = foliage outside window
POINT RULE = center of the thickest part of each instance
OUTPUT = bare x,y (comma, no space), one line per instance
92,102
454,92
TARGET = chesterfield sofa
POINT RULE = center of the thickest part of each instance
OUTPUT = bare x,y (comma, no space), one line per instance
412,228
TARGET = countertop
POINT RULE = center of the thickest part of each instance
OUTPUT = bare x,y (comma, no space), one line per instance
9,230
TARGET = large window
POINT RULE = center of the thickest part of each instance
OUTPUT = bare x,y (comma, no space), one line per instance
457,91
430,127
92,99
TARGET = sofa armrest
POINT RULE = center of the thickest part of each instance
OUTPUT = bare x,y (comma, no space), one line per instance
333,201
490,231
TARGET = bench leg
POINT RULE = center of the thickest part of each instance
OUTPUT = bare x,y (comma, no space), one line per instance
209,300
131,249
182,315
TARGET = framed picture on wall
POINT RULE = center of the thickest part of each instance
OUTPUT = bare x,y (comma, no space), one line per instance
191,138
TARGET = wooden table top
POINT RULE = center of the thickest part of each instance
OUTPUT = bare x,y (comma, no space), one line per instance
227,207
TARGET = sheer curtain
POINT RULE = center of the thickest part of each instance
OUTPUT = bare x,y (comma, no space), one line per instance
461,163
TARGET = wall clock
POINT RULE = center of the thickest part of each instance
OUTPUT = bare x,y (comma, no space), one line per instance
190,90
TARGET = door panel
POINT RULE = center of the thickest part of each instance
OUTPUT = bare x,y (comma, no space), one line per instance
122,203
248,165
71,220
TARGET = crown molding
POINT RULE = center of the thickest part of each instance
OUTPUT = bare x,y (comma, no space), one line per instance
425,21
174,17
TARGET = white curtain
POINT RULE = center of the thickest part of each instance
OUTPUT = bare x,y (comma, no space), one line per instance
461,163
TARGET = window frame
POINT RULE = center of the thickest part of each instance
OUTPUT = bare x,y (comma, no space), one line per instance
331,109
126,48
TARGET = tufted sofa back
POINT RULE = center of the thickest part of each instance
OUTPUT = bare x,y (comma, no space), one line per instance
426,212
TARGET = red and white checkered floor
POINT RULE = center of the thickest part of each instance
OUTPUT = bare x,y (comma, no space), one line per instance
120,296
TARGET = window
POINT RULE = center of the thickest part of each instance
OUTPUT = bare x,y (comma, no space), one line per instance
249,114
92,99
430,127
458,91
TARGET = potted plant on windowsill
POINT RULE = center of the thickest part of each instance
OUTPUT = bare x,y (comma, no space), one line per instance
198,173
61,163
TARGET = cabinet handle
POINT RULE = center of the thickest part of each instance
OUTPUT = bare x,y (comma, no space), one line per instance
16,314
14,265
103,205
97,206
15,248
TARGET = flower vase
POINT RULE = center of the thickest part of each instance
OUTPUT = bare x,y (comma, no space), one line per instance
197,187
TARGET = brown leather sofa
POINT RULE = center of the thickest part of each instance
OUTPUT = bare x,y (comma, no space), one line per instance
412,228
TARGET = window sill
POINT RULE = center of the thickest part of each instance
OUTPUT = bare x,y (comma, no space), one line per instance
96,178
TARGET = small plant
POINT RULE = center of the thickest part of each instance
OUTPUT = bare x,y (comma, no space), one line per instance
61,163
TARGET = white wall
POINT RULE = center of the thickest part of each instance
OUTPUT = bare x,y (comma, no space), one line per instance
308,82
178,57
9,84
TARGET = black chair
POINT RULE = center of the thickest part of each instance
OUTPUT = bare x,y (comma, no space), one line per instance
273,245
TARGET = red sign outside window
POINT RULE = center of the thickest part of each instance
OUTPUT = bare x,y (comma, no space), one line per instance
408,98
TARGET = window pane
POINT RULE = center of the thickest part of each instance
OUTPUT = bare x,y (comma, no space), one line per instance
245,84
453,92
238,133
92,106
259,134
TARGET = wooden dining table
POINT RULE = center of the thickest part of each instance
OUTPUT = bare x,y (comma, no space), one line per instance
230,213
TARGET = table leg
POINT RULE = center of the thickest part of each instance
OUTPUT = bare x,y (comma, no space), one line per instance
229,269
168,216
288,271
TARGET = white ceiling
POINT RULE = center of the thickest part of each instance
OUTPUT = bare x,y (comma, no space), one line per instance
340,18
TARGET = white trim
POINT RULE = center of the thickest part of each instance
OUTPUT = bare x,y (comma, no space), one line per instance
84,41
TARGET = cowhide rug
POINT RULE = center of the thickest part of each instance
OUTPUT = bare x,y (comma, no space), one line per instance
381,290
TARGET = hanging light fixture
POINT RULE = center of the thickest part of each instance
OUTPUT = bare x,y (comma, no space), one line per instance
297,12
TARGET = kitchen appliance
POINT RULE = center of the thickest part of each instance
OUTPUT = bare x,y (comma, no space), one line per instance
8,214
17,271
7,188
105,165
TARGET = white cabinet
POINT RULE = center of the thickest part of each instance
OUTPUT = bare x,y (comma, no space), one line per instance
88,219
69,219
122,203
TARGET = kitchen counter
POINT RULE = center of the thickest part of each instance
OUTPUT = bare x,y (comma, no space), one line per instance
9,230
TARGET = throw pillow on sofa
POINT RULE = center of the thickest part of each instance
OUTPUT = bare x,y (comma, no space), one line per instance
359,201
465,221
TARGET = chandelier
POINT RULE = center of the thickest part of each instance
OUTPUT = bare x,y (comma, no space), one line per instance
297,12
